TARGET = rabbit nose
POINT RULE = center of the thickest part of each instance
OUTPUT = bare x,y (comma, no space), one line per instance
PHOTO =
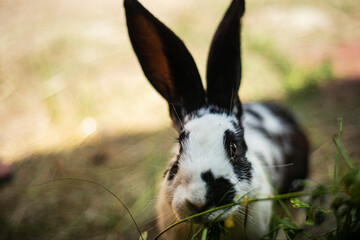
194,207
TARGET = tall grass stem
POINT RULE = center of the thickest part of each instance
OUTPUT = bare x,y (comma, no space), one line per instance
103,187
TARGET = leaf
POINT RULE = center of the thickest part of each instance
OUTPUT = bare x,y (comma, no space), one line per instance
310,217
287,223
321,209
290,228
291,233
297,203
272,234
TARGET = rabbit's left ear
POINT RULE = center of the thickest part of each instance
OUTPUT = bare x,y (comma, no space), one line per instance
166,62
224,61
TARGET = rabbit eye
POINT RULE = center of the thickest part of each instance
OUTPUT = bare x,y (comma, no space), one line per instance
233,150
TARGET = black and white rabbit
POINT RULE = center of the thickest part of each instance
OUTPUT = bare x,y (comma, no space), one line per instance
227,150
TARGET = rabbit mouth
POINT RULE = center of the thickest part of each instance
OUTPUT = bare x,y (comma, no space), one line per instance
214,216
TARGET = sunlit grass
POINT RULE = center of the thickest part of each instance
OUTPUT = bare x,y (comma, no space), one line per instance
293,77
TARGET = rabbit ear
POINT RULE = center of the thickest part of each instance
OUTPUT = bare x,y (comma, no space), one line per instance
224,61
166,62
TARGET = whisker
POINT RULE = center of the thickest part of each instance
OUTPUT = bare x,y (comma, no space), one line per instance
279,165
177,115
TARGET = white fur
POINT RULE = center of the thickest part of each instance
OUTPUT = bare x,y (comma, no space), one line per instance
205,151
270,122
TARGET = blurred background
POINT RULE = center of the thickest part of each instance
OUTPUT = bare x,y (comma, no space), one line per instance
74,102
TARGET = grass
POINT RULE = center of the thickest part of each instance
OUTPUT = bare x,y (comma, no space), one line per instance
106,189
78,209
294,78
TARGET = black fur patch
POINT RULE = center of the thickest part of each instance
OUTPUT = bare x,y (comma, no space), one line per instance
253,113
217,110
242,167
173,169
298,158
293,145
183,136
213,109
281,113
277,139
219,191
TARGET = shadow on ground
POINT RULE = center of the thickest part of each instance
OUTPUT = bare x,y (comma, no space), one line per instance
319,109
131,166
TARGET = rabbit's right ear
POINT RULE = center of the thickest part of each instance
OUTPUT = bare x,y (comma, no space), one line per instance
224,61
166,62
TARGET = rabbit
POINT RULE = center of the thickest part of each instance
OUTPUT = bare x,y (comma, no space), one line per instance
226,150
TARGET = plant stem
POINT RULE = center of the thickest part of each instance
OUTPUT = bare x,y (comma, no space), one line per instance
276,197
286,210
324,234
281,196
336,167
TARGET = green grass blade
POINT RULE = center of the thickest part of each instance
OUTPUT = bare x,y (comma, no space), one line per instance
194,237
204,235
344,154
336,167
